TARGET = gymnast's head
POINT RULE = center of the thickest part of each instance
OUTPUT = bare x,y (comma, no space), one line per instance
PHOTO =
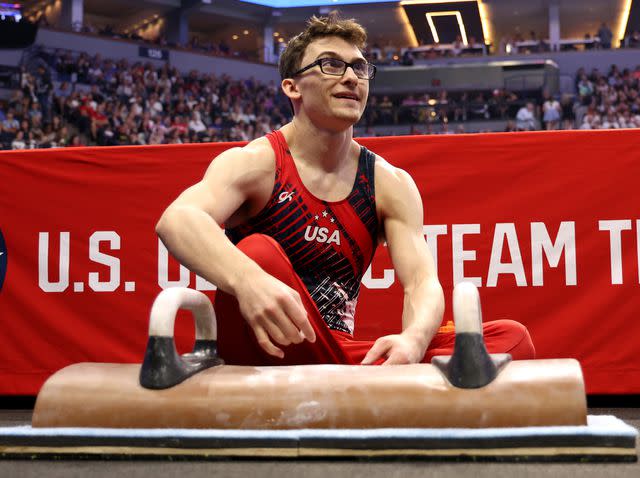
324,72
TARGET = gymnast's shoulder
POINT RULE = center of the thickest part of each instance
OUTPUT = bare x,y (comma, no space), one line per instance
390,179
247,163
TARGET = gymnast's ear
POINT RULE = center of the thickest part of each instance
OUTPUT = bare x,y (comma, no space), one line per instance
290,88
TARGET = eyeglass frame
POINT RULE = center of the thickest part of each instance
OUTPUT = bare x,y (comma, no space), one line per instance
319,61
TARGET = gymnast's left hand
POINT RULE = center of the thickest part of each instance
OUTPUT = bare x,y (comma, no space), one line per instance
398,349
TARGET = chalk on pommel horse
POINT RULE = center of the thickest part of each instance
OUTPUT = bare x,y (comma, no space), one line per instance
470,389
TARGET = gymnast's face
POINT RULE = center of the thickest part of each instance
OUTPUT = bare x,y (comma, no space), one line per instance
331,101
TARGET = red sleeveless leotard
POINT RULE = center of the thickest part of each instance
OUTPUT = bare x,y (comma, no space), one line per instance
330,244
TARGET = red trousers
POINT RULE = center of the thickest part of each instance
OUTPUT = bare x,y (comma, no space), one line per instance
237,344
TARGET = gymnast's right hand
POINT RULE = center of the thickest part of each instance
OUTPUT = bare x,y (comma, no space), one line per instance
275,313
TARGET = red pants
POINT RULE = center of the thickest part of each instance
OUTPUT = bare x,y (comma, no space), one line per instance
237,344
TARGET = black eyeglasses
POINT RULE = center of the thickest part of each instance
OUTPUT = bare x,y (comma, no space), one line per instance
336,67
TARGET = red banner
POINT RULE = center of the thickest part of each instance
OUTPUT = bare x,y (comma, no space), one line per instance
547,224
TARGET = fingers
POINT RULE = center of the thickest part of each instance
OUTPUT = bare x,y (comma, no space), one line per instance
380,349
274,333
265,342
396,359
298,315
276,314
281,328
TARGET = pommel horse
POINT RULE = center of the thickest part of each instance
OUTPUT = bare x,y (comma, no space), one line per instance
470,389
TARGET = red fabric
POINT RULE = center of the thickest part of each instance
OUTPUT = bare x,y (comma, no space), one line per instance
500,336
487,180
237,343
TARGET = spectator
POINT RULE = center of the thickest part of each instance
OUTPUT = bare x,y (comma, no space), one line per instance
458,46
5,138
10,125
511,126
568,112
633,40
48,137
588,42
551,112
18,141
386,111
605,35
611,120
585,89
525,119
407,57
407,112
479,108
196,125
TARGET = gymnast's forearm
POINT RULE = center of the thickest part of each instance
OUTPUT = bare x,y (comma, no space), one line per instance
422,311
198,242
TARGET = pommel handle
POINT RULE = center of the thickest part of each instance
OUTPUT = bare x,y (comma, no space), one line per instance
162,366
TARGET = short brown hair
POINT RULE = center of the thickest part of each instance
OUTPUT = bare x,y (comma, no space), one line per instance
319,27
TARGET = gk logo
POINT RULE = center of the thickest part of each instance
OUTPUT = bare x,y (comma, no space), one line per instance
285,196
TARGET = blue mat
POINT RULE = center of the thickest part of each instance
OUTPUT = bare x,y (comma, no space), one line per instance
605,438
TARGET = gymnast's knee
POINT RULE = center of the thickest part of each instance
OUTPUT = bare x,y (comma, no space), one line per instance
514,338
265,251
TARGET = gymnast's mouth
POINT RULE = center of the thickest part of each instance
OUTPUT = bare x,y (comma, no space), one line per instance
347,96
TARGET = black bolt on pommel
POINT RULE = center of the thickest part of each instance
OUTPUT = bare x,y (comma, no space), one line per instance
470,366
162,366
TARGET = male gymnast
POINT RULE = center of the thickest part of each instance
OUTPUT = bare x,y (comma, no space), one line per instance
287,225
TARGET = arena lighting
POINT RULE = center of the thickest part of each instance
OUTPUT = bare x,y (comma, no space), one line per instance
484,21
624,18
37,7
434,31
482,9
144,23
407,27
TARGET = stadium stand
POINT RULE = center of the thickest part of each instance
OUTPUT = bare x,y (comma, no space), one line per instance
62,97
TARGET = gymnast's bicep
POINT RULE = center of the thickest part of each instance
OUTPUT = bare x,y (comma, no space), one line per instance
402,224
231,180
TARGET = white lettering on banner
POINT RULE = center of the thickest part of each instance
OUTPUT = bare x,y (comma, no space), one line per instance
163,270
431,234
388,278
545,249
101,258
615,229
496,266
43,263
565,240
203,284
541,246
460,255
184,279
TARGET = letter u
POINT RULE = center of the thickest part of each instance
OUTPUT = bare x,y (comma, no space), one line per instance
310,237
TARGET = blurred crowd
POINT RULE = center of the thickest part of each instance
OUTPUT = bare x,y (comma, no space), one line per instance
443,107
608,100
76,100
96,101
601,101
